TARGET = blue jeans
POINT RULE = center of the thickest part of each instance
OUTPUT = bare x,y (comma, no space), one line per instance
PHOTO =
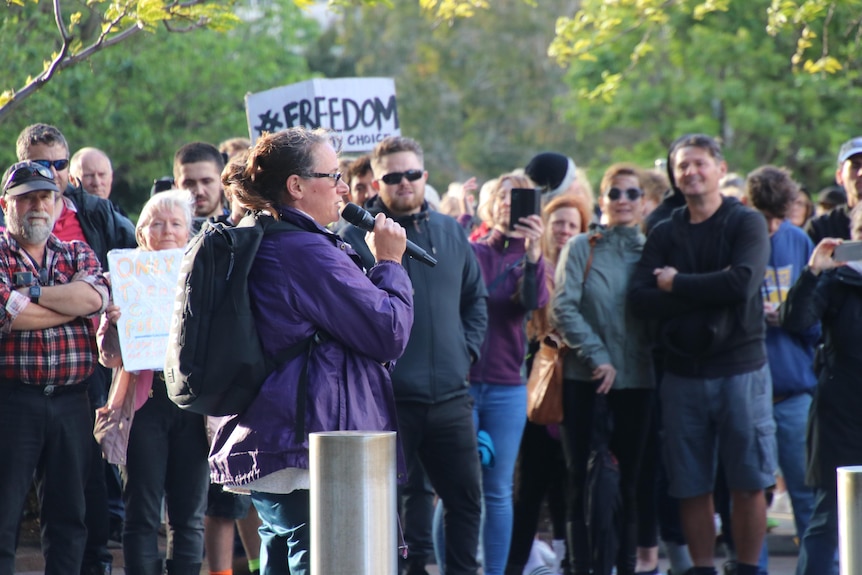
819,545
285,534
791,419
500,410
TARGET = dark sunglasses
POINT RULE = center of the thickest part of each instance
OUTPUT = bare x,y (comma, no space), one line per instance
336,176
393,178
615,194
24,170
59,165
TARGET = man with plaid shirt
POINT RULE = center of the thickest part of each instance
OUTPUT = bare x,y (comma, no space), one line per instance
50,291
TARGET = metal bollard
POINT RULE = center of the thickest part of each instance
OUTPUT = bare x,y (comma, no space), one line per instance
850,519
353,503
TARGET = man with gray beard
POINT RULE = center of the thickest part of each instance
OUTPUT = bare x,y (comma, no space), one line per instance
50,291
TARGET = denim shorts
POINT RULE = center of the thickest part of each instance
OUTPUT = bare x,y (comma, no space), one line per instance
727,417
226,505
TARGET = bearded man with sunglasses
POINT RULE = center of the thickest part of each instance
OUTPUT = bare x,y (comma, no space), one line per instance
83,217
50,292
435,415
700,277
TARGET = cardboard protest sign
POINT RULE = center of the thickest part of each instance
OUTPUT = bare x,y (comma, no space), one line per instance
144,285
363,110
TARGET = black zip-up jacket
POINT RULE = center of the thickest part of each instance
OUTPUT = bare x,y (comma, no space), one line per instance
711,324
450,314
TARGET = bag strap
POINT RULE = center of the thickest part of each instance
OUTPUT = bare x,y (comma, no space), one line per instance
502,275
306,346
593,241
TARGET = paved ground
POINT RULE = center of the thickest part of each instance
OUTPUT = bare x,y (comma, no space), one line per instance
782,553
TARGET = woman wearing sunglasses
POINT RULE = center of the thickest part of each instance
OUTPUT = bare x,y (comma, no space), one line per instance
609,361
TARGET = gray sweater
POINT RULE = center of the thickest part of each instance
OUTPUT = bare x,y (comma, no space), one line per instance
592,316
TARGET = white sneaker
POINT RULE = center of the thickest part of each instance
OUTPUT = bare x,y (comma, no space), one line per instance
781,503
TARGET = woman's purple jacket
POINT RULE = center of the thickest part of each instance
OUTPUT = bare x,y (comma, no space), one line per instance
300,283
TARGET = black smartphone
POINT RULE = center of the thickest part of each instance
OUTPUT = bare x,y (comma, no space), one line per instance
525,202
848,252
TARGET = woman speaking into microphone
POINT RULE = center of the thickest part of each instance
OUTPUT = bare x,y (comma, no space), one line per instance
303,283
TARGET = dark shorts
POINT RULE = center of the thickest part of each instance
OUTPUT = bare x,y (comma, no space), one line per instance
727,417
227,505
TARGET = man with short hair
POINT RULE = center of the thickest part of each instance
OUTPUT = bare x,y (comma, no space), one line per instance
359,178
91,169
836,223
50,291
771,191
197,168
700,277
78,215
435,415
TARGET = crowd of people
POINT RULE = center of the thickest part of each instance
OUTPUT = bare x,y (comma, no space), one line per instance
707,319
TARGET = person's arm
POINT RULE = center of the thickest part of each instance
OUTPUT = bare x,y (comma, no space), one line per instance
371,314
645,298
566,316
533,292
34,316
474,303
742,278
809,297
75,299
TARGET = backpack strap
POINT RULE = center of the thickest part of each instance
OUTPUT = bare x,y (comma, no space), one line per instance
306,346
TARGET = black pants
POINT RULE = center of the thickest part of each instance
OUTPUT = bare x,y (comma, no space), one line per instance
48,437
443,437
541,471
631,416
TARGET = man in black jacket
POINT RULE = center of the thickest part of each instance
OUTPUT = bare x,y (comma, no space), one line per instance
836,223
435,414
700,276
84,217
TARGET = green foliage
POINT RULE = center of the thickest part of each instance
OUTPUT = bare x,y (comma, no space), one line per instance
722,74
141,101
479,94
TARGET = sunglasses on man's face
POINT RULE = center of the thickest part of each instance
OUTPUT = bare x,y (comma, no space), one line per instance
59,165
23,170
632,194
393,178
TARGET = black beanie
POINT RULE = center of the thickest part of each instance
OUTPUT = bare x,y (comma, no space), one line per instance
551,171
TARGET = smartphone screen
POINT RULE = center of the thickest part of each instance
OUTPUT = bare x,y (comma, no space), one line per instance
848,252
525,202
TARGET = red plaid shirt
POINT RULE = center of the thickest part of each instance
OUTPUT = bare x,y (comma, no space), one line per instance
61,355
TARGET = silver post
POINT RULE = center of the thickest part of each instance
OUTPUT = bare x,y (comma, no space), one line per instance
850,519
353,503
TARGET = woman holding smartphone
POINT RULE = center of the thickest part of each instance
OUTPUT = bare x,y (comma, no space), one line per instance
514,272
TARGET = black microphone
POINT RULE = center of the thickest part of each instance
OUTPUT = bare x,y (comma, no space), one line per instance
365,221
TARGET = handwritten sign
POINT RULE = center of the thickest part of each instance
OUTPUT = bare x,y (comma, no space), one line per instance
363,110
144,286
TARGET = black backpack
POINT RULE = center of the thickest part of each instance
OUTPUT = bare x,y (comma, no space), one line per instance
215,363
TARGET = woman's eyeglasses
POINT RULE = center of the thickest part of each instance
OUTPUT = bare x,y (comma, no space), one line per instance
632,194
336,176
393,178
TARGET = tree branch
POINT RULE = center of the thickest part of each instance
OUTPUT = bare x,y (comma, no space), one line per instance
63,60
